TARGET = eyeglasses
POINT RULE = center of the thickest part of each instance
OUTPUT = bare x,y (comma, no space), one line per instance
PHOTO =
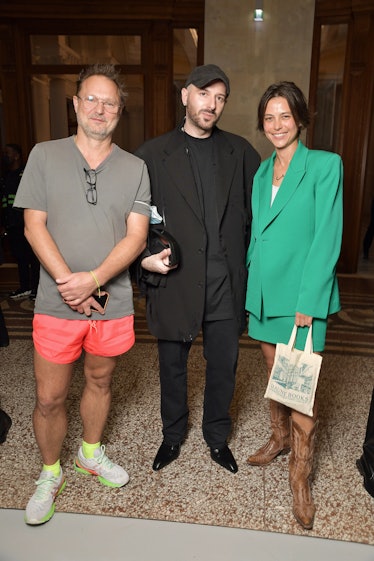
91,102
91,193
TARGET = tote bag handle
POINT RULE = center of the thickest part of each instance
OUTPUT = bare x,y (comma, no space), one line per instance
308,343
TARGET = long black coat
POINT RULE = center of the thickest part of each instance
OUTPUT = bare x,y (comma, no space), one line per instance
175,307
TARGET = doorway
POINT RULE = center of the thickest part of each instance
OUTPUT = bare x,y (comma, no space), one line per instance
341,104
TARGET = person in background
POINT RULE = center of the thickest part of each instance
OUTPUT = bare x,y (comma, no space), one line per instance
369,234
365,463
4,336
13,225
86,213
5,420
296,236
201,180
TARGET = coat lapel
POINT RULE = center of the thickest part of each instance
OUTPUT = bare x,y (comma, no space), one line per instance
224,167
291,182
176,162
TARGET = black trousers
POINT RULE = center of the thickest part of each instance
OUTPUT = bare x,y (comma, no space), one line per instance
4,337
369,234
368,446
221,346
366,463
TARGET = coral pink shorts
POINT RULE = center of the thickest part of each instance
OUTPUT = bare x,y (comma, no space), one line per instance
62,340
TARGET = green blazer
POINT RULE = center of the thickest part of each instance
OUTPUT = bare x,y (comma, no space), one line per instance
295,243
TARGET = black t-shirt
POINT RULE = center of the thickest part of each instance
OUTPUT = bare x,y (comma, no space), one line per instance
218,301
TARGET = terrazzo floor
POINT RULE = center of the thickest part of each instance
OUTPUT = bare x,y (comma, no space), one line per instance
193,509
194,490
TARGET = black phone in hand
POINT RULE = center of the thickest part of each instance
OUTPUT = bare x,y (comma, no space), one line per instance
102,299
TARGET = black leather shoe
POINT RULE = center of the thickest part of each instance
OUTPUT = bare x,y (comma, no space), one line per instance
166,454
5,424
367,472
223,457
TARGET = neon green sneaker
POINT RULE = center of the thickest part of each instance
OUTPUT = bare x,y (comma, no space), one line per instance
108,473
41,506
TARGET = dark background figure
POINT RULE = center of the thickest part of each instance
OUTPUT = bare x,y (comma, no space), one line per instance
13,225
366,463
369,235
4,337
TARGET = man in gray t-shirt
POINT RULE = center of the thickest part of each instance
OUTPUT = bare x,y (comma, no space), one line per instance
86,216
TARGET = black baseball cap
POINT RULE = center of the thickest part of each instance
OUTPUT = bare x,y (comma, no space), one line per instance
203,75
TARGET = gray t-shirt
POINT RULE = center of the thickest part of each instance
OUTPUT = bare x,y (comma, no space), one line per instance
54,181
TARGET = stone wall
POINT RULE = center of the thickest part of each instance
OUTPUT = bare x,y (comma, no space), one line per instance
256,54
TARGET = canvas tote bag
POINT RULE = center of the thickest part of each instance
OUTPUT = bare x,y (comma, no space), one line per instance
294,376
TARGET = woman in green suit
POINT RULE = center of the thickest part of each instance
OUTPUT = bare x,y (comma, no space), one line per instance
295,245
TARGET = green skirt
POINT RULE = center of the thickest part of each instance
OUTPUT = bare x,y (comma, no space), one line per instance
278,330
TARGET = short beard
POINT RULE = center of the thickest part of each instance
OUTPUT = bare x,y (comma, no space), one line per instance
199,123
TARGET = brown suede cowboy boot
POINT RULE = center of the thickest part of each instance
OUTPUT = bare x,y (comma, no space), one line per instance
300,468
279,442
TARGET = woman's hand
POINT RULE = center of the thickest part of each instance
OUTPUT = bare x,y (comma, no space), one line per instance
301,320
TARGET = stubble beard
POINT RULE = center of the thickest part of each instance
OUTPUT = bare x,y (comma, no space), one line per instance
99,133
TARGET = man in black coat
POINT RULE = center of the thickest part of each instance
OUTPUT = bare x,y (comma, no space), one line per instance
201,179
